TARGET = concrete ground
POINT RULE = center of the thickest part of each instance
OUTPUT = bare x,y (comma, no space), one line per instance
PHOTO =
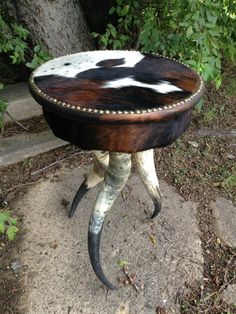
20,103
22,146
163,254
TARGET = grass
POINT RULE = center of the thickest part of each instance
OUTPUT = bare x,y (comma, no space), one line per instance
202,170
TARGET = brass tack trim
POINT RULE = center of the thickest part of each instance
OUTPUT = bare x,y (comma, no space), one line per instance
79,108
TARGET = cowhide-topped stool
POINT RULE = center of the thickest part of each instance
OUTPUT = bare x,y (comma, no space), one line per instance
116,103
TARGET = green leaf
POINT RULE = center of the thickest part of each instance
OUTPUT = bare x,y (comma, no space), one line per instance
1,86
37,48
112,30
104,41
125,10
211,17
11,232
118,10
117,44
189,31
122,263
230,182
20,31
94,34
218,63
153,239
112,10
2,227
12,221
4,216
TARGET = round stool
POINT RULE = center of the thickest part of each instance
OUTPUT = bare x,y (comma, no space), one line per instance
116,103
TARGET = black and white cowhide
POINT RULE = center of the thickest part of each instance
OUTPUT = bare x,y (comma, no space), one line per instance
116,80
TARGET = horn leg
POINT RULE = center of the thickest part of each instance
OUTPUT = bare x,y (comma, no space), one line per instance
115,178
96,175
147,172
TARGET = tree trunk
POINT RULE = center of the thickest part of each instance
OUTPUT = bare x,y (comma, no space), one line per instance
57,25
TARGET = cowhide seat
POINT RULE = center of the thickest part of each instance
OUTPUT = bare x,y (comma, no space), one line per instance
116,103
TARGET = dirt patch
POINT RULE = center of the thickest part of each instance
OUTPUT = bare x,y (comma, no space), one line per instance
219,271
10,287
32,125
200,171
17,178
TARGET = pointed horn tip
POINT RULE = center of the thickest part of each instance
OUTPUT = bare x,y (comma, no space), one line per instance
83,189
110,286
71,214
93,247
157,209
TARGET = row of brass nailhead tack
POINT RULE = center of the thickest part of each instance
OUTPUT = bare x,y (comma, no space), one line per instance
98,111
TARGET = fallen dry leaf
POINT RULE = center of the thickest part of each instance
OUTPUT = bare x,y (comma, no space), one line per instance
123,308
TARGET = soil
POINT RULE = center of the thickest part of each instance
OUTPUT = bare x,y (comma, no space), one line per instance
10,288
201,167
33,125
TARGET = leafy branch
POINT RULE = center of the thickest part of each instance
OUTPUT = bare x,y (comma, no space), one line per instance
196,32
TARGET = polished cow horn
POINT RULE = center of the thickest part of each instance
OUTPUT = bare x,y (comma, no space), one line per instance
115,178
96,175
147,172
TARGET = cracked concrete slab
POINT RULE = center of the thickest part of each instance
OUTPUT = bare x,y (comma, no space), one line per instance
229,295
224,214
57,274
21,146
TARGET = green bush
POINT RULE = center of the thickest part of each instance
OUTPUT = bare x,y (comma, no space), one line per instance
197,32
14,41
